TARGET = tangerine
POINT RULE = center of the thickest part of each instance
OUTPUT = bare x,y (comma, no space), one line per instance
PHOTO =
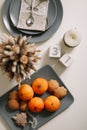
36,104
25,92
51,103
40,85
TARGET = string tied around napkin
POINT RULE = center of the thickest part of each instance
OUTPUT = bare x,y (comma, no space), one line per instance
39,15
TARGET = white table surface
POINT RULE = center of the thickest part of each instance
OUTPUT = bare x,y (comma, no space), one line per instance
74,77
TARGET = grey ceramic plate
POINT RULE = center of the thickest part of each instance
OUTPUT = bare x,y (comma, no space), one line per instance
15,10
40,37
48,73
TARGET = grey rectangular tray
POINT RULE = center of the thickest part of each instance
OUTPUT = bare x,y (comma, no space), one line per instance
46,72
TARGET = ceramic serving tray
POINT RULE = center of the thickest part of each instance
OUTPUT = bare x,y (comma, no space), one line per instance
43,117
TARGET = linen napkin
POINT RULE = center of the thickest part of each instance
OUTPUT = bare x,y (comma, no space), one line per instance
39,14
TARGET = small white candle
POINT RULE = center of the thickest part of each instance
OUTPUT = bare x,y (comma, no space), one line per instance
72,38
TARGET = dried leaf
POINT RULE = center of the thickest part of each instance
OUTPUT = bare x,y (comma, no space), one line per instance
20,119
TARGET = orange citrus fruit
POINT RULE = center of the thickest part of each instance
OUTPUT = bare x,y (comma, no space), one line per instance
51,103
40,85
36,104
25,92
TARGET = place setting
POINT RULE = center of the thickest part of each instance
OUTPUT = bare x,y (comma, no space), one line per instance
40,94
37,18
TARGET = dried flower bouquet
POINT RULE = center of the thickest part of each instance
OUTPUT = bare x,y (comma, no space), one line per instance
18,56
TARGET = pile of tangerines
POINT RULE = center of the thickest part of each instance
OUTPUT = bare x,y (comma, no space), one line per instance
25,97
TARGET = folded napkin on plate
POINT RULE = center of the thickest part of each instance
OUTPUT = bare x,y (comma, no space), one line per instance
40,15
